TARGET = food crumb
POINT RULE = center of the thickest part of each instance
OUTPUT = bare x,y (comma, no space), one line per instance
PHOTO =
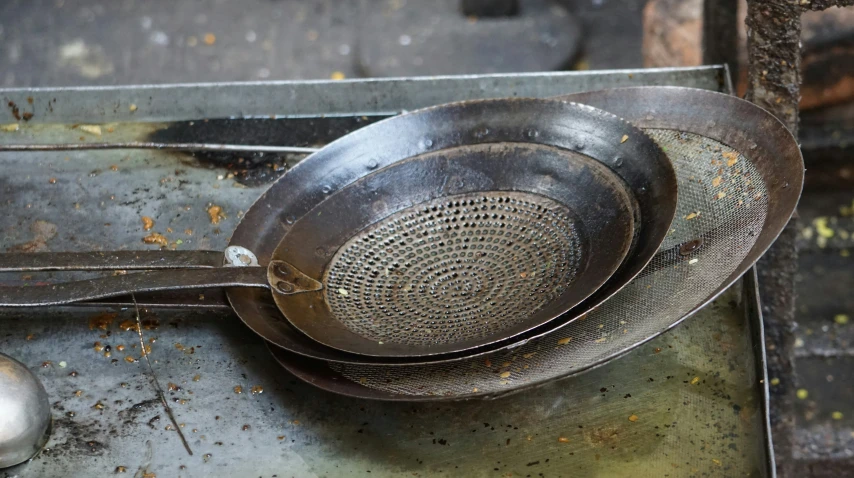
197,378
257,389
695,380
9,128
130,359
840,319
716,462
63,364
337,75
343,292
132,107
803,393
564,341
280,437
121,469
717,181
624,138
775,381
633,418
52,180
504,374
731,158
216,214
693,261
155,238
90,128
147,223
692,215
563,440
238,389
209,38
30,337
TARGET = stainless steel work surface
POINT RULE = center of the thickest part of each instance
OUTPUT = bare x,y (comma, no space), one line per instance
689,403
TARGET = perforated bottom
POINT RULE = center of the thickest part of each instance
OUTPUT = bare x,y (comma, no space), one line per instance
721,207
457,268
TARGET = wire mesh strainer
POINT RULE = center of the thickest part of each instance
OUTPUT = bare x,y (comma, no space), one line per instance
740,175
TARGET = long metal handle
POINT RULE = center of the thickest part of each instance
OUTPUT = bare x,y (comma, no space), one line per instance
84,290
109,261
161,146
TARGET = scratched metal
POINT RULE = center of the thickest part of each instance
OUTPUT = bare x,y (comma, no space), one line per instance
79,201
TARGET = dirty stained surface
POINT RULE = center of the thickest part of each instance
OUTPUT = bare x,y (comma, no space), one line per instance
688,406
688,403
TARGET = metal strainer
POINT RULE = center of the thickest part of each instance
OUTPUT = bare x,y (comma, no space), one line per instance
740,174
433,232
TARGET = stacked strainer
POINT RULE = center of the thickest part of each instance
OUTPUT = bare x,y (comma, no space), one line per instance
478,248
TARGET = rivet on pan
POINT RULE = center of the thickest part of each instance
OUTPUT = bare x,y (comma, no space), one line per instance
618,161
326,189
290,219
690,246
284,287
532,133
579,146
427,143
239,257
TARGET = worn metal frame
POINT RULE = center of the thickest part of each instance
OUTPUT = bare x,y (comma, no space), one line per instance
773,82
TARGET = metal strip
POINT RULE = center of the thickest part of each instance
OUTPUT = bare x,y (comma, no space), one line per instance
295,98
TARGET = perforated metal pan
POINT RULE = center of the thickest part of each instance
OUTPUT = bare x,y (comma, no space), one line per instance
740,176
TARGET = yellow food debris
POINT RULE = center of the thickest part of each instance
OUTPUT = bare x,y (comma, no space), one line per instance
731,158
216,214
633,418
564,341
695,380
209,38
821,227
8,128
775,381
337,75
527,356
840,319
155,238
716,462
602,340
90,128
130,359
693,261
343,292
624,138
720,195
836,415
692,215
717,181
147,223
504,374
563,440
238,389
256,389
132,107
803,393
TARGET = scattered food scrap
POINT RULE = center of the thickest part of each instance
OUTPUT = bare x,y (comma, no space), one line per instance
216,214
156,238
147,223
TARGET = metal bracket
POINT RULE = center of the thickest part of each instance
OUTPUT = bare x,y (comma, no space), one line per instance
285,279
